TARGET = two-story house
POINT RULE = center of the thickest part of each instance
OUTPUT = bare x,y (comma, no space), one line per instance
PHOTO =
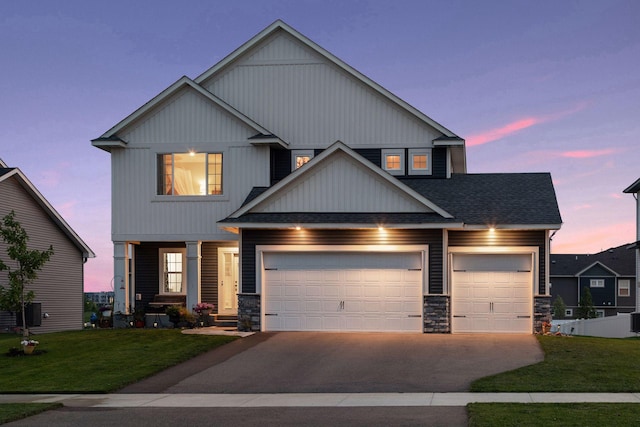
609,275
286,186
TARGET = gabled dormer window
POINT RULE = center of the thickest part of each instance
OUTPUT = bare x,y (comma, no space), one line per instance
419,161
393,161
300,158
190,174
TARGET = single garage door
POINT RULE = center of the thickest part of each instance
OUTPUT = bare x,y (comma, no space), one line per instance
346,291
492,293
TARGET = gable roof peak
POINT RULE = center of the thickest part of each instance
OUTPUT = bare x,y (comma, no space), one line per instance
280,25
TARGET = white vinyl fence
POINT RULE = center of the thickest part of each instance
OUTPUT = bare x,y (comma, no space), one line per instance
607,327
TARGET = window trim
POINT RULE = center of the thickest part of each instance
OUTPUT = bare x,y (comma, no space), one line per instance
627,287
568,312
161,253
160,175
300,153
394,152
420,151
596,283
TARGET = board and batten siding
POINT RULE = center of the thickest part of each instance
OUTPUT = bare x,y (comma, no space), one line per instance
139,214
506,238
340,184
252,238
309,102
59,286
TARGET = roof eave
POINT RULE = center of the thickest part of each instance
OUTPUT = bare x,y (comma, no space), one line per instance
235,226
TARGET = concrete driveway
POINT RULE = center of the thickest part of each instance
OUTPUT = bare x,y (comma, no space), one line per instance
307,362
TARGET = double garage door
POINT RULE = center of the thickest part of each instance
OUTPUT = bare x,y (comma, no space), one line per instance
492,293
345,291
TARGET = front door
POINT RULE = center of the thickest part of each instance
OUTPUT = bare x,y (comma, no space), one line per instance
227,280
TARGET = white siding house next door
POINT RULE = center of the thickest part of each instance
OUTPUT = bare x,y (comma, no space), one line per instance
342,291
492,293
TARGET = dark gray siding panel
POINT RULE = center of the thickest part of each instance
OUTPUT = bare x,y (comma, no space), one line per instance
59,286
567,288
597,271
147,268
602,297
251,238
506,238
439,162
280,164
374,155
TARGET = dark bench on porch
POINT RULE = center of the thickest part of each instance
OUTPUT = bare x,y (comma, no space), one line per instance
161,302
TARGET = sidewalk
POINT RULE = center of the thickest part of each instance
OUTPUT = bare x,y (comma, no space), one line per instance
288,400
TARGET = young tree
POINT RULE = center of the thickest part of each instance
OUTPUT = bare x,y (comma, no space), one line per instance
585,307
22,271
559,308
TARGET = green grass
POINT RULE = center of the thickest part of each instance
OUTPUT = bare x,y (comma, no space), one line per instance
574,364
97,361
16,411
557,414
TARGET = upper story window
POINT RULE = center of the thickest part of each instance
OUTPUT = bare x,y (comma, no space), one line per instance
393,161
624,287
300,158
190,174
419,161
596,283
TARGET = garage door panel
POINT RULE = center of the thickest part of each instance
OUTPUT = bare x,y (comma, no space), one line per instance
494,294
355,292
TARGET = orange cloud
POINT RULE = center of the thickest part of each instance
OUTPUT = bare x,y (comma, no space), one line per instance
501,132
585,154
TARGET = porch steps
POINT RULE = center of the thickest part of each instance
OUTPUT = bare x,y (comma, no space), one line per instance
225,320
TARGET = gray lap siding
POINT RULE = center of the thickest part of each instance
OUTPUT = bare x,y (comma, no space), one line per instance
252,238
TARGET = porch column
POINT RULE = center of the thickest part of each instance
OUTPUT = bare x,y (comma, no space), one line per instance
120,280
193,273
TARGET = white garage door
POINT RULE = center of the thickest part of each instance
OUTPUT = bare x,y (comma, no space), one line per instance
347,291
492,293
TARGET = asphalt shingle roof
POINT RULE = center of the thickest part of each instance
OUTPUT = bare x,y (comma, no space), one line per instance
620,259
475,199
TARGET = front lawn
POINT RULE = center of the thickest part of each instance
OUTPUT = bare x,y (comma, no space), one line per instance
96,361
574,364
547,414
16,411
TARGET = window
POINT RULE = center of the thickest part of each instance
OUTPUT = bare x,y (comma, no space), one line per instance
190,174
419,161
568,312
172,275
596,283
599,313
393,161
300,158
624,287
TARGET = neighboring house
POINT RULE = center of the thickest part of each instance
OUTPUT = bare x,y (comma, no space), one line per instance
59,286
634,189
100,298
609,275
286,187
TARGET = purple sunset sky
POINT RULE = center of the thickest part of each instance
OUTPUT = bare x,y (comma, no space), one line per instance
533,86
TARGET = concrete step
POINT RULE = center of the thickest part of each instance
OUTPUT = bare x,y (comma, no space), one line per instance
225,320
